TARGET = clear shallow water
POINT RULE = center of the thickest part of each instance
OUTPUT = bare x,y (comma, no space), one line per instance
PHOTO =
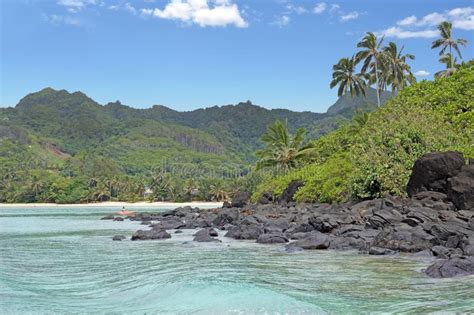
62,260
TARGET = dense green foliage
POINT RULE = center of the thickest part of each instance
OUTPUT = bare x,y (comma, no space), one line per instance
373,155
63,147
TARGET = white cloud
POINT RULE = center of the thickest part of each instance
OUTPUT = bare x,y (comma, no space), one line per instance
296,9
425,27
219,13
334,8
282,21
350,16
401,33
409,20
320,8
62,19
422,73
74,6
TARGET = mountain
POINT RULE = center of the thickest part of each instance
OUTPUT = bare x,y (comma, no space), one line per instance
70,140
348,103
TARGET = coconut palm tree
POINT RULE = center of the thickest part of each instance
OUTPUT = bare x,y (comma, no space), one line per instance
451,66
370,55
282,149
397,72
447,41
344,75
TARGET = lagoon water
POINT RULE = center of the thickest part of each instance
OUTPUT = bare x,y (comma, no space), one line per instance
62,260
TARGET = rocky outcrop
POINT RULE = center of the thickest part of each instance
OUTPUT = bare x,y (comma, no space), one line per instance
436,221
240,200
460,188
432,170
290,191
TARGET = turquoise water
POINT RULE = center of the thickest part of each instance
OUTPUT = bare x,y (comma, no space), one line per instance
62,260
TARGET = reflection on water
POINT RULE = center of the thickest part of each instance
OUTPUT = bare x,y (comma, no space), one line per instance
62,260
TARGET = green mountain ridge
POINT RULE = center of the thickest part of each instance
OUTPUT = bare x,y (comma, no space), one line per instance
75,148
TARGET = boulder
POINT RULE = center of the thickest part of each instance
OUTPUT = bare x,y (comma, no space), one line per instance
314,240
432,170
452,267
153,234
240,200
118,219
245,232
461,188
226,216
118,237
290,191
265,198
272,238
204,235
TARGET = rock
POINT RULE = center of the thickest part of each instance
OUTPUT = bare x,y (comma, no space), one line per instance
374,250
324,224
145,222
452,267
226,204
245,232
265,198
213,232
226,216
118,219
431,195
315,240
118,238
432,170
153,234
204,235
108,217
178,232
293,249
461,188
272,238
240,200
290,191
443,252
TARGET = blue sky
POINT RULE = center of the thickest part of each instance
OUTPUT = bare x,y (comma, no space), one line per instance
187,54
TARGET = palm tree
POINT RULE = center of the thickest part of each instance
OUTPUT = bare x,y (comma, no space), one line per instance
282,149
344,75
36,186
397,72
451,66
371,57
447,41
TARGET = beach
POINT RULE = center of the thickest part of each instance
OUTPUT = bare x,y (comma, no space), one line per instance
118,204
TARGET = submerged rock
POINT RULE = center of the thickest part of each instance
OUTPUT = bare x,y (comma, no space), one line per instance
108,217
118,238
272,238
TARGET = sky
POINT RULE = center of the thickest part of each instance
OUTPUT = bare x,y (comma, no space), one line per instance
188,54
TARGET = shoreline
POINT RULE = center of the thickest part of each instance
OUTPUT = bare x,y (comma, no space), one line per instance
116,204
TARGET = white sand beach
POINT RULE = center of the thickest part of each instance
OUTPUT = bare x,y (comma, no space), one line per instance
118,204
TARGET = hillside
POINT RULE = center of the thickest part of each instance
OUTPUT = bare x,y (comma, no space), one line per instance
69,137
373,157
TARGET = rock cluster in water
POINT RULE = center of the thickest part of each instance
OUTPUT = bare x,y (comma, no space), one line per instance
436,220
